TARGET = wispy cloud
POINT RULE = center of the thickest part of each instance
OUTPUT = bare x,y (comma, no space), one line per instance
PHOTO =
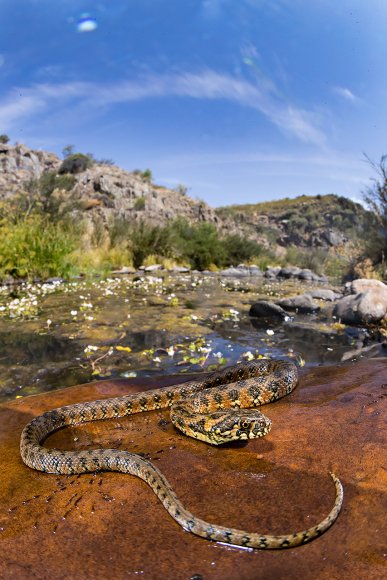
345,93
206,85
332,164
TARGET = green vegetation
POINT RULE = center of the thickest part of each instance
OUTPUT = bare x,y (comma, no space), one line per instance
48,196
146,174
182,189
76,163
139,203
41,234
376,198
328,262
35,247
302,216
200,246
4,139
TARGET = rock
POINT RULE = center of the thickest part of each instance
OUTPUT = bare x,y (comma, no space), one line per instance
153,268
241,271
303,304
364,308
264,309
179,269
322,426
19,164
324,294
370,351
306,274
272,272
255,271
364,285
335,238
289,272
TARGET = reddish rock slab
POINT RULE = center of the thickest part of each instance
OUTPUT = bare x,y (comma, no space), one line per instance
112,525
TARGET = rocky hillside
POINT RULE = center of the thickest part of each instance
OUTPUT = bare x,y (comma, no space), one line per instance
104,191
321,221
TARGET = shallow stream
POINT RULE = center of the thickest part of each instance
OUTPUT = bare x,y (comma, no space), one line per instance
59,334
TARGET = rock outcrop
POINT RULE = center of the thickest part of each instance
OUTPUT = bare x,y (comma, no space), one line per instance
103,191
19,164
367,303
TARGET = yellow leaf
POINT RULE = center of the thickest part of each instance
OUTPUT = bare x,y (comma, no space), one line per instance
125,348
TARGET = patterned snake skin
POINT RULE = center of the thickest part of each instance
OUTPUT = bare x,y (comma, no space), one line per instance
216,409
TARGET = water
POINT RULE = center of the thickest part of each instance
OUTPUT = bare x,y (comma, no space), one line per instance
61,334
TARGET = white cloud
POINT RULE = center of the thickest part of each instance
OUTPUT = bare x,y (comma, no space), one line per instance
207,85
345,94
331,165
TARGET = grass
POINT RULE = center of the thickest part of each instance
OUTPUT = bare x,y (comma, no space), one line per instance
35,247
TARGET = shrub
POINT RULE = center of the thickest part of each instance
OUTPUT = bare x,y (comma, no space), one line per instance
35,247
200,244
182,189
139,203
297,224
4,139
75,163
145,240
50,181
146,174
238,249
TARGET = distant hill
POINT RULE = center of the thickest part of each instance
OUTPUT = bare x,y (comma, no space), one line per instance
104,192
320,221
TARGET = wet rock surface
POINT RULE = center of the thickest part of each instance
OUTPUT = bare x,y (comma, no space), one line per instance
112,525
268,310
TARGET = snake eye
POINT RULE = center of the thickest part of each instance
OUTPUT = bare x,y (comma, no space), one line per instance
245,425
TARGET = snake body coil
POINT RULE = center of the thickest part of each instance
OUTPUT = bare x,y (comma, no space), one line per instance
216,409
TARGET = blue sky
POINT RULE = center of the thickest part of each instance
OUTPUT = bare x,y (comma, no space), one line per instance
240,100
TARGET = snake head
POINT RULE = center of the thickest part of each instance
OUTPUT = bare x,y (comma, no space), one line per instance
240,424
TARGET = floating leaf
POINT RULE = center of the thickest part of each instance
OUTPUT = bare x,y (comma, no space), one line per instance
124,348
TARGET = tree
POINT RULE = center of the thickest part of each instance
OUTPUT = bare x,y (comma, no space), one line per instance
75,163
67,151
4,139
376,198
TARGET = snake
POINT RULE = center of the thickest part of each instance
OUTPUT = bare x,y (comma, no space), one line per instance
217,409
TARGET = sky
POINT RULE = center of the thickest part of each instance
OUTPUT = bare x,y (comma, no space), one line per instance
241,101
